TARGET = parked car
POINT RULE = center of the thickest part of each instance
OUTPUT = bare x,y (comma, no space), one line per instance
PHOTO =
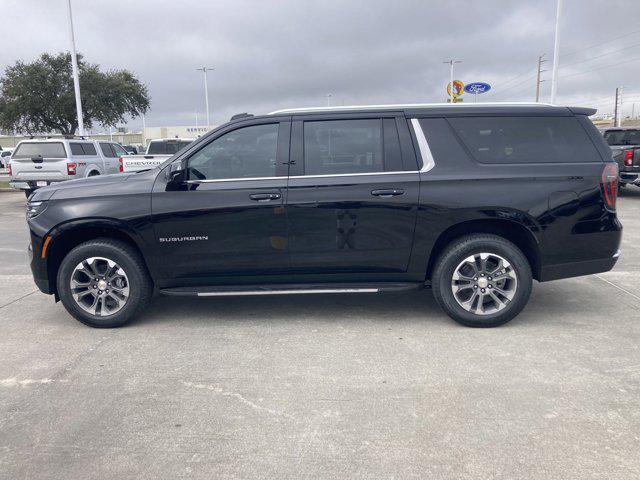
5,156
41,162
131,149
474,201
625,144
158,151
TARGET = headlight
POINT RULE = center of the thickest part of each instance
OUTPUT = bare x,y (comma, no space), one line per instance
35,208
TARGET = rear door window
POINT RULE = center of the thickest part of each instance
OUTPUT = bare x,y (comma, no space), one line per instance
107,150
40,149
525,139
82,148
343,146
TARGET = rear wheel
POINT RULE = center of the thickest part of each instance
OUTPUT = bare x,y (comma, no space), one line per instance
482,280
104,283
28,192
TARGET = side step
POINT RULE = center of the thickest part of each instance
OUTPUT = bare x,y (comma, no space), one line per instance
288,289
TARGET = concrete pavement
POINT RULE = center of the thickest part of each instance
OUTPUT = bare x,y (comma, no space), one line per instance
341,386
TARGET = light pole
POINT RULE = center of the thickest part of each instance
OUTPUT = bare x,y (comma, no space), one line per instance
74,69
329,99
206,92
556,54
451,63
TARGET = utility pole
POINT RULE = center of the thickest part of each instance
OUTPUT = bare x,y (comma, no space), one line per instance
74,69
451,63
556,54
206,92
538,81
617,111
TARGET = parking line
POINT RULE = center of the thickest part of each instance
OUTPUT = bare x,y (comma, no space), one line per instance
618,287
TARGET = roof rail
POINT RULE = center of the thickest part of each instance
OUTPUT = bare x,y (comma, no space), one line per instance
410,105
241,115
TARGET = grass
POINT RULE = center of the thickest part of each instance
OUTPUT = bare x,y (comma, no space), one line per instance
4,185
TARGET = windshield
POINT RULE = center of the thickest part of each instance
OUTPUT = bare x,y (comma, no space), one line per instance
167,147
40,149
622,137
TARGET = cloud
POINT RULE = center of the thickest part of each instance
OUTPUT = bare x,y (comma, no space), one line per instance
276,54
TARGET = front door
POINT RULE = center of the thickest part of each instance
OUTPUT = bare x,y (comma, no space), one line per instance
352,195
229,219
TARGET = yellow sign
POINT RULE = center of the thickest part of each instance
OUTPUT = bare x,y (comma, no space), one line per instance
458,89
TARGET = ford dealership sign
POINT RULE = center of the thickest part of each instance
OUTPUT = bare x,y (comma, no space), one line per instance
477,87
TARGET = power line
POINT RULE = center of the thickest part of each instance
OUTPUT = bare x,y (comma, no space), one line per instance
600,56
601,43
600,68
528,79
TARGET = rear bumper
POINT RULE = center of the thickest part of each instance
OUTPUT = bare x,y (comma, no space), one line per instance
628,177
576,269
31,184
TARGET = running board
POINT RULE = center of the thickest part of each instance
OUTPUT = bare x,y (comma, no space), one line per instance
247,290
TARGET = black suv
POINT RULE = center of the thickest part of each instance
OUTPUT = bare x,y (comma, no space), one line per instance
474,201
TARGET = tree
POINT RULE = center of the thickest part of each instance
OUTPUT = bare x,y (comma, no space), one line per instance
38,97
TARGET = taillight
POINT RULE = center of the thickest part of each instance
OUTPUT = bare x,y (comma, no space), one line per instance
610,185
628,158
120,162
71,168
9,167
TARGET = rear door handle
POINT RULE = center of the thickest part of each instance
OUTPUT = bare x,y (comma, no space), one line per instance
391,192
264,197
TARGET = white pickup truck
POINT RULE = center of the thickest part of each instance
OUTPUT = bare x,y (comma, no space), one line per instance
37,163
157,152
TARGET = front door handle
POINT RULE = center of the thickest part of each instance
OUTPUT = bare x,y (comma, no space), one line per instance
391,192
264,197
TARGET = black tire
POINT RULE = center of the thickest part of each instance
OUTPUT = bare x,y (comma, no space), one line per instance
467,246
28,192
139,282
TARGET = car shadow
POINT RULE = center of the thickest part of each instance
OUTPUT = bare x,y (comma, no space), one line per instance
324,308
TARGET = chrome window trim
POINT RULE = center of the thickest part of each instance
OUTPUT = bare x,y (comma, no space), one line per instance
425,152
246,179
330,175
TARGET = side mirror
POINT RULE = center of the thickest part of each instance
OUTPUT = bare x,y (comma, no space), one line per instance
176,176
176,173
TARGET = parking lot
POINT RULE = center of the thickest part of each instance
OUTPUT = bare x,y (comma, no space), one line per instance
344,386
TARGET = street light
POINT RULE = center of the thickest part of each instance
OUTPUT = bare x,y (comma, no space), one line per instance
74,69
451,63
556,54
206,91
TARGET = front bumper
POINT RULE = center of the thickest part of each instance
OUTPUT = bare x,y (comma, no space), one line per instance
39,270
577,269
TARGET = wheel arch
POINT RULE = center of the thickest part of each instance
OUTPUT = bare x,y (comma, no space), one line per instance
521,236
69,235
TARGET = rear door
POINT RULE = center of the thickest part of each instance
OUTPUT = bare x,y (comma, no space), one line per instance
39,161
352,194
111,152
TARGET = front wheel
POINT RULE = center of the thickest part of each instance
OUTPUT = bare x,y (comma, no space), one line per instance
482,280
104,283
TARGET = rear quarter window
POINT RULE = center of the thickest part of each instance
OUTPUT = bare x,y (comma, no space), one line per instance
40,149
508,140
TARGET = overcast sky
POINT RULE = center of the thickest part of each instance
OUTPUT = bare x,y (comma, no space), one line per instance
276,54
